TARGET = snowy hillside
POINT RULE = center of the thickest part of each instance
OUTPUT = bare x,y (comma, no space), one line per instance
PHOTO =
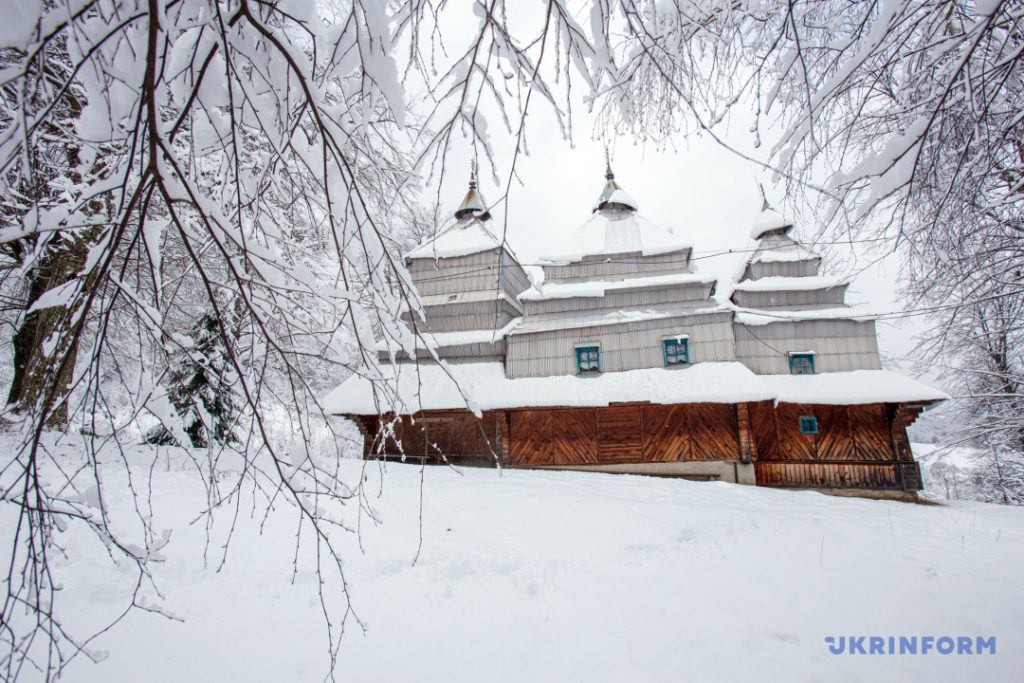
557,576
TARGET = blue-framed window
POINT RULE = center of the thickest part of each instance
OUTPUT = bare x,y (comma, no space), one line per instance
677,351
808,425
801,363
588,359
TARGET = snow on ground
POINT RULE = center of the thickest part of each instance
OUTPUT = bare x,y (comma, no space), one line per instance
560,576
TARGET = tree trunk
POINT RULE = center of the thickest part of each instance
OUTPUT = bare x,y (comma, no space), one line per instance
45,337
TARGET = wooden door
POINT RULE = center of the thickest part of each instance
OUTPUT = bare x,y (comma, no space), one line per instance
618,434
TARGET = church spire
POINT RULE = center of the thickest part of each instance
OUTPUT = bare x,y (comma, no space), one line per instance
613,196
472,205
769,221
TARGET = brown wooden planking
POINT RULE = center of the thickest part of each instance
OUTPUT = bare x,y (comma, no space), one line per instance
860,432
834,439
574,437
619,434
827,475
624,434
433,434
714,430
530,436
765,433
748,449
792,444
874,433
872,436
404,435
910,473
502,435
666,433
552,437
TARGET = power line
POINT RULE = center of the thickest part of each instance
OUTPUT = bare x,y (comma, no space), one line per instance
694,256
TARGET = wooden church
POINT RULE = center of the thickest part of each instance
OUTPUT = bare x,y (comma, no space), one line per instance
623,359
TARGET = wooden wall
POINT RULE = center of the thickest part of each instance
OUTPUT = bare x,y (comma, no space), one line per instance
791,298
471,273
624,346
859,446
855,446
624,298
619,266
514,279
624,434
759,269
463,315
838,345
485,271
455,436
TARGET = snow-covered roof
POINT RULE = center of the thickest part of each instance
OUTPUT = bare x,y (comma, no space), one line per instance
612,231
780,283
563,321
616,195
439,340
464,237
470,297
483,386
796,253
853,387
566,290
486,388
767,221
751,316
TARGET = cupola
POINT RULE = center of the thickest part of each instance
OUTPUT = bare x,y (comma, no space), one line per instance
769,221
472,205
614,197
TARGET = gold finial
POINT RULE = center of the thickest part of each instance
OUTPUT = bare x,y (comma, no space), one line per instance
608,165
472,174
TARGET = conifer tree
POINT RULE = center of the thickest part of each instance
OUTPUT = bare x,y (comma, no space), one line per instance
201,385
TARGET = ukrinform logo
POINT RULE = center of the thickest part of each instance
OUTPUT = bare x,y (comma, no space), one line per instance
911,645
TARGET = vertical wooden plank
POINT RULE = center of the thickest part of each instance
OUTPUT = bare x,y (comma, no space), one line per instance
503,435
764,430
748,450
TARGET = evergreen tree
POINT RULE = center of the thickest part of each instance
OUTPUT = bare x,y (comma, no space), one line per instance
201,384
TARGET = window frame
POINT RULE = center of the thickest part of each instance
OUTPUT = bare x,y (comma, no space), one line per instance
800,356
588,348
808,424
681,341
